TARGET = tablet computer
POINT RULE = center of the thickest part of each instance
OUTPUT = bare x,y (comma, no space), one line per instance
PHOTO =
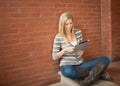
81,46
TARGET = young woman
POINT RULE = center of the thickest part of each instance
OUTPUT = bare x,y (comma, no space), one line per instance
72,64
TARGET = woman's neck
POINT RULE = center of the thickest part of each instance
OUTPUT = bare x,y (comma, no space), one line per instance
70,36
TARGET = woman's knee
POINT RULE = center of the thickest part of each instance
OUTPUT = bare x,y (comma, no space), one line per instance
105,60
69,73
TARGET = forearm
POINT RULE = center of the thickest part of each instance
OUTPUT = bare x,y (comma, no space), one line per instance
60,54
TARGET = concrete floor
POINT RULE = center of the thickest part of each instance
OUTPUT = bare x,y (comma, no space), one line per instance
99,83
57,84
114,71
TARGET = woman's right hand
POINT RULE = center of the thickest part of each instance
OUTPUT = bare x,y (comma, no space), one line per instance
65,50
68,49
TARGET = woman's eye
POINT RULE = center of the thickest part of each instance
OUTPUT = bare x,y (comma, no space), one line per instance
66,24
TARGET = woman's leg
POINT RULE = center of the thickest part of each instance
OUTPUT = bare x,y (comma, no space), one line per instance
69,71
96,67
89,64
73,72
94,74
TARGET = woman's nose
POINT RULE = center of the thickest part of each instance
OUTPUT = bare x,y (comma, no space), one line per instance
69,25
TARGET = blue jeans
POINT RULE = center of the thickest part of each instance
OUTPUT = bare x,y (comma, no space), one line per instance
70,71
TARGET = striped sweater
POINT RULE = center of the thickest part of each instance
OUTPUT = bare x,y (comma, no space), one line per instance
67,58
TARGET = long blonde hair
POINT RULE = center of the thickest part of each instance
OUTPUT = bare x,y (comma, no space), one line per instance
63,18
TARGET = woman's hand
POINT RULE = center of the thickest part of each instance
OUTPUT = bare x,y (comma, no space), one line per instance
80,52
68,49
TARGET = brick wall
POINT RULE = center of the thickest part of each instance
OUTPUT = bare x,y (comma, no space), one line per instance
27,29
110,32
106,28
115,7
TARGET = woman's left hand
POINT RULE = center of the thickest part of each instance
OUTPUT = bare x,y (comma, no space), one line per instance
80,52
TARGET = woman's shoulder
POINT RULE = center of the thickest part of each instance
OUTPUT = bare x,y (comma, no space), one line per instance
77,30
58,36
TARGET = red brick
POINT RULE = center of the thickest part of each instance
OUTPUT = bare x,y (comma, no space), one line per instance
22,15
9,10
23,4
3,4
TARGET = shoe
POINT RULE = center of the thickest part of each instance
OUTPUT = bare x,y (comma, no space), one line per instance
94,74
105,76
82,73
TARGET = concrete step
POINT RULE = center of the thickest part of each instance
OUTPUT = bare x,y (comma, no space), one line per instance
56,84
70,82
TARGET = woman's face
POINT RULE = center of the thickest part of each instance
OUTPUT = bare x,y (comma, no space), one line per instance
68,25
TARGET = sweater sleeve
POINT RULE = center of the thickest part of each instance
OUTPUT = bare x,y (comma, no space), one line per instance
79,35
56,47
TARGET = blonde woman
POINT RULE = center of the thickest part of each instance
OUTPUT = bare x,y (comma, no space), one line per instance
72,64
